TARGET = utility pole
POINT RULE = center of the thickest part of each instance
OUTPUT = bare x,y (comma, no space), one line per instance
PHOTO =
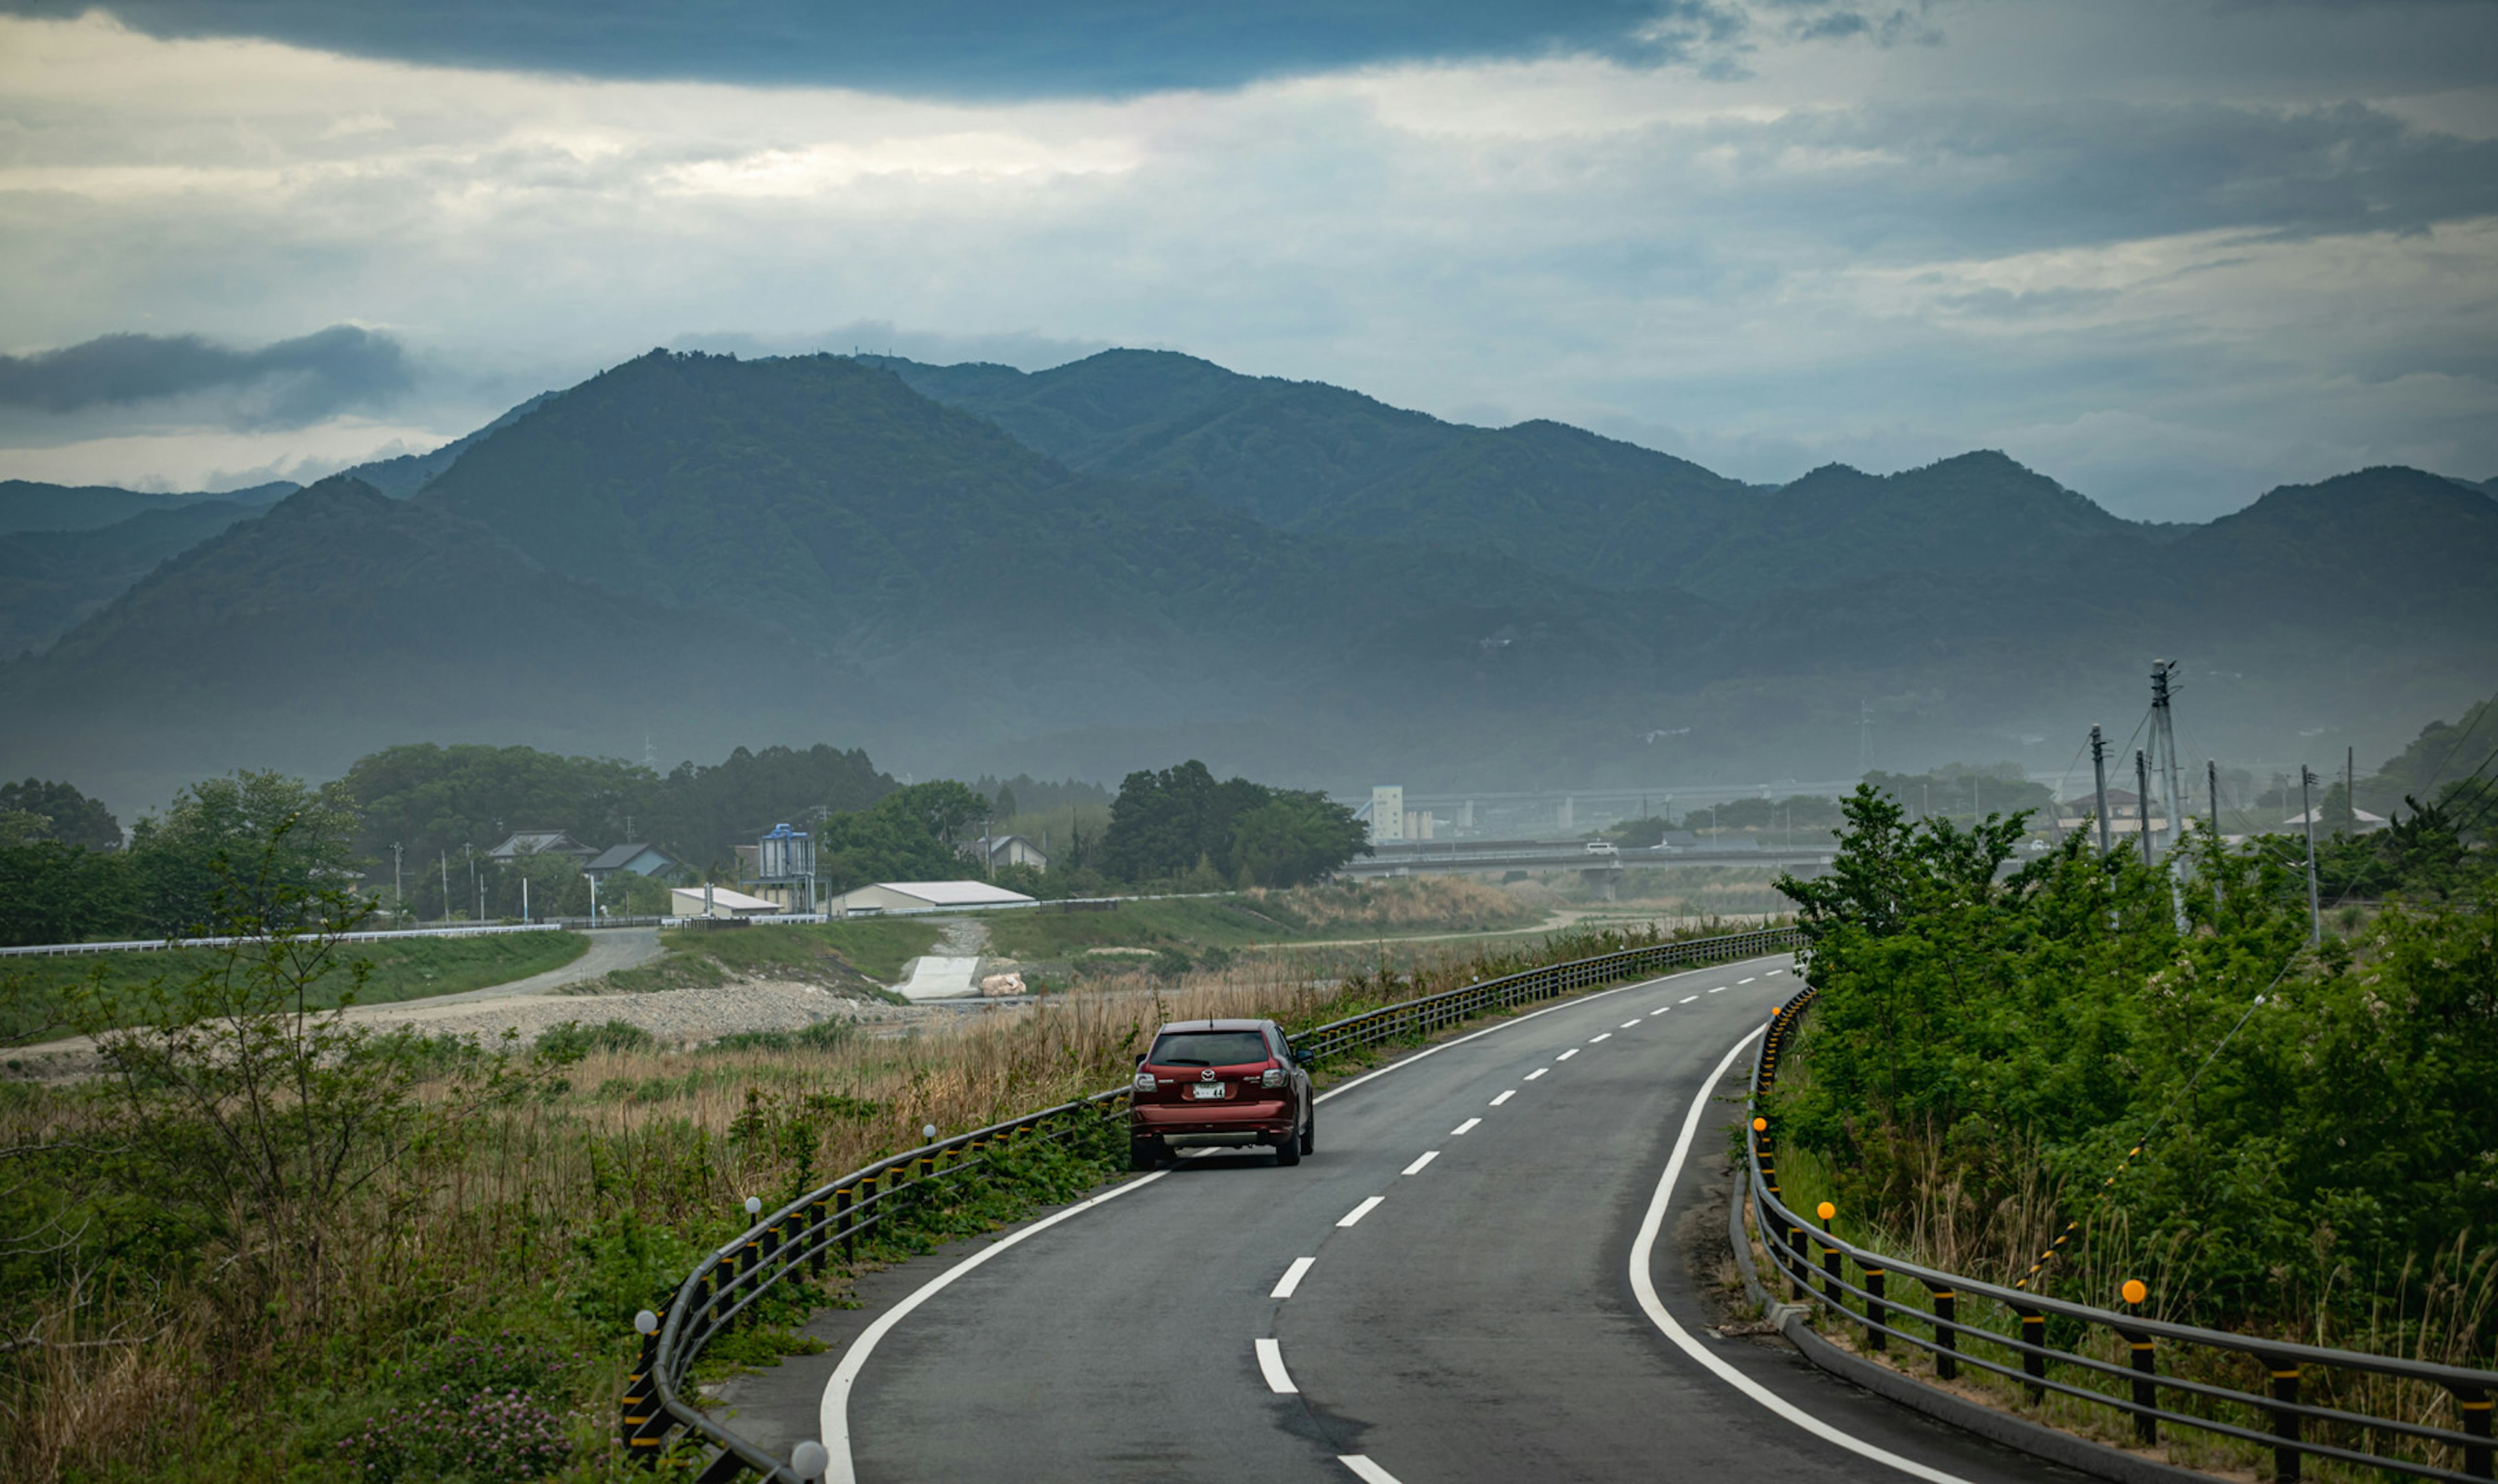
2099,772
2142,802
2164,743
524,899
476,887
1864,735
2307,812
2351,786
2212,780
398,894
446,884
594,902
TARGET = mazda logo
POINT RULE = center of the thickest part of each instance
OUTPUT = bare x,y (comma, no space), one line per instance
1207,1075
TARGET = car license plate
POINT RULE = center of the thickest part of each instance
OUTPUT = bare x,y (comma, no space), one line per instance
1208,1089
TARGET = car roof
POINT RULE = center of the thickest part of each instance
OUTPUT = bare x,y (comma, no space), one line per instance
1230,1024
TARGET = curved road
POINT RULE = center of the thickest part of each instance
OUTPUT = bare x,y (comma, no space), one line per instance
1445,1291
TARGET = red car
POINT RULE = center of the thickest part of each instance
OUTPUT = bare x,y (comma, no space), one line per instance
1219,1083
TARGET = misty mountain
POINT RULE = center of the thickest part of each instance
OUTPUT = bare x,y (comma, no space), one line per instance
720,552
407,473
1310,457
27,506
50,579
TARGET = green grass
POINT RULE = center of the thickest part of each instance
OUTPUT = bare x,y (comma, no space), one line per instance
870,948
1210,922
31,990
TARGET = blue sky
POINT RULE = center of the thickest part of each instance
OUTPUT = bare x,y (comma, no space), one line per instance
2171,254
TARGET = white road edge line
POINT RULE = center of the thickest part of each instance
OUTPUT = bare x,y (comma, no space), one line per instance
1538,1072
833,1413
1643,1254
1293,1277
1416,1168
1504,1097
1368,1205
1270,1363
1462,1127
1365,1469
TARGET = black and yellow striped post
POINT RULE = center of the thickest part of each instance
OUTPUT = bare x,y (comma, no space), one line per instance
2034,1353
2476,1407
1946,1338
2146,1391
2285,1423
640,1413
847,1202
815,1253
752,1252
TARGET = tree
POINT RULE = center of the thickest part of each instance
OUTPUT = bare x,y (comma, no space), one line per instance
910,834
238,847
1164,824
1296,836
64,813
56,893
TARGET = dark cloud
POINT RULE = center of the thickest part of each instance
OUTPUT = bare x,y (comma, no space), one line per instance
289,383
967,48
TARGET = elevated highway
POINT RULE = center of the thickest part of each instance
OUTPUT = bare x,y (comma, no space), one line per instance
1470,857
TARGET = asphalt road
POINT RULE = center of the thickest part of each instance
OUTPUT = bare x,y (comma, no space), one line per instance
1477,1319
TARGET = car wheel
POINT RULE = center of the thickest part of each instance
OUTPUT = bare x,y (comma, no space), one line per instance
1289,1152
1145,1153
1310,1135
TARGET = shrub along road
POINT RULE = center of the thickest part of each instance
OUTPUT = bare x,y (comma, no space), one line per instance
1444,1287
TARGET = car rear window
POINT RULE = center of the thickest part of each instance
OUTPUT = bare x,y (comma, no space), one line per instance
1208,1048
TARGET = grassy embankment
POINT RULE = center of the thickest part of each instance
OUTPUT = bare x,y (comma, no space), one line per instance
32,989
165,1312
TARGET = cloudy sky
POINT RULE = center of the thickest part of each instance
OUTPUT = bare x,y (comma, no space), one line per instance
2171,253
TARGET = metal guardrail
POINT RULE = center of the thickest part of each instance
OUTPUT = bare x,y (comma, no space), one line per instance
2274,1418
803,1234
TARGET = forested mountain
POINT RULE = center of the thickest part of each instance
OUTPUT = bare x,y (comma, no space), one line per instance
405,475
50,579
711,552
26,506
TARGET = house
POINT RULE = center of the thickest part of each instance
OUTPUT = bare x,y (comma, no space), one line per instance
922,897
639,858
2361,821
717,901
2125,811
530,842
1010,850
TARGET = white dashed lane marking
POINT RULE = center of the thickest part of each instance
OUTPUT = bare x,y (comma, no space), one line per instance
1538,1072
1607,1036
1270,1363
1365,1469
1291,1278
1358,1212
1688,998
1660,1010
1462,1127
1720,989
1627,1024
1567,1054
1504,1097
1416,1168
1747,981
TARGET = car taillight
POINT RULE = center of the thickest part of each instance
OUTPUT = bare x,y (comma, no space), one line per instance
1275,1077
1145,1082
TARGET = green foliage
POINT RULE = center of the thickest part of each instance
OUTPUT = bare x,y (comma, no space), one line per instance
232,848
66,814
56,893
572,1040
2298,1152
1180,826
910,834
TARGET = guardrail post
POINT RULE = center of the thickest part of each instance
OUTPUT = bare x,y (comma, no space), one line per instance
1946,1338
1876,1314
845,1205
2285,1423
2034,1354
2476,1405
816,1221
1830,1277
2146,1391
641,1406
1798,1282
